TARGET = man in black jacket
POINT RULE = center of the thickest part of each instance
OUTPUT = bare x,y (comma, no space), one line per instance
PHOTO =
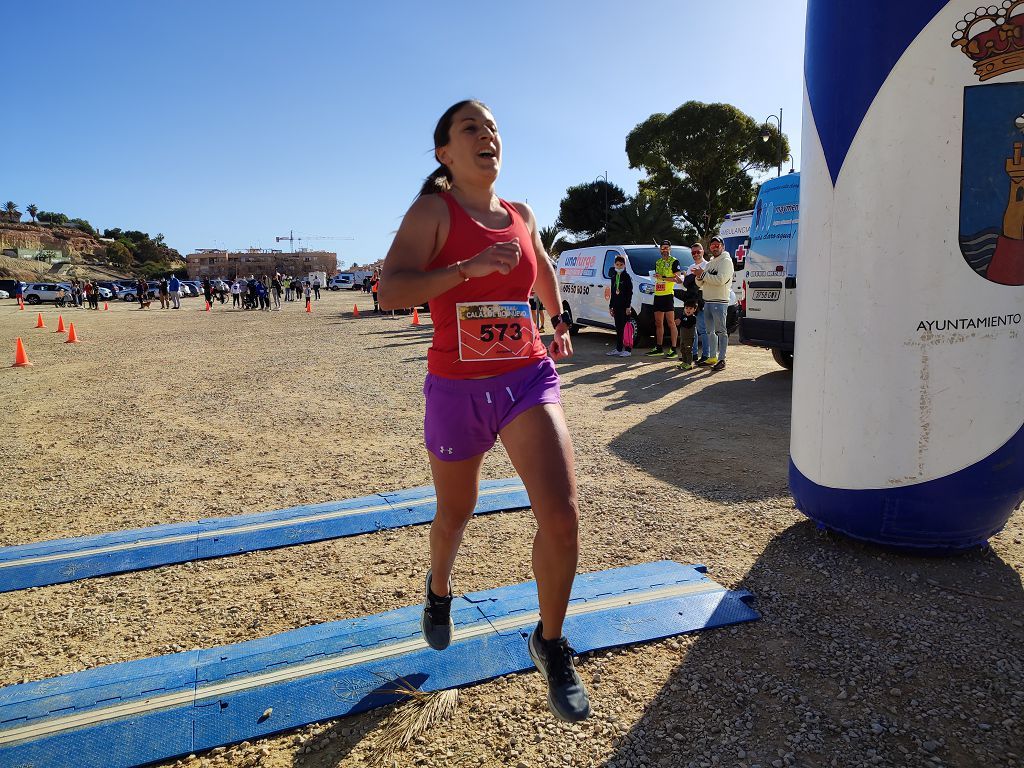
619,304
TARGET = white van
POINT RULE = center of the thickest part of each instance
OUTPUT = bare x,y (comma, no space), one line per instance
771,269
735,232
584,276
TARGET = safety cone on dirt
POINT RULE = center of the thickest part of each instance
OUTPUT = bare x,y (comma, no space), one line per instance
20,356
355,310
72,336
39,321
106,307
309,307
60,324
207,306
415,315
21,305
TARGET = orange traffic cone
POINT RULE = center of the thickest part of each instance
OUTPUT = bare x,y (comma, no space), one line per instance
355,310
309,307
39,321
72,336
20,356
106,307
415,316
60,324
207,306
21,305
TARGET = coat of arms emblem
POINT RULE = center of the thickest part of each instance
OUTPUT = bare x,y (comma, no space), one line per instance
992,168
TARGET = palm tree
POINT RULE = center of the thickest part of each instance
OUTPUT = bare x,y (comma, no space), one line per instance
32,209
642,221
549,238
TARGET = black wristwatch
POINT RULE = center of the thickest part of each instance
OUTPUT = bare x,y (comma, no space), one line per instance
557,320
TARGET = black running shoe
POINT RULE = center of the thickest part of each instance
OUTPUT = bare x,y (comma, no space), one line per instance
719,366
567,696
436,622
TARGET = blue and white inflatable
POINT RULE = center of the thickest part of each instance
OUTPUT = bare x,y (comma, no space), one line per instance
908,417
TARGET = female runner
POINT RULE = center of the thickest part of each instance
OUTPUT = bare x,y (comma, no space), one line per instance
475,258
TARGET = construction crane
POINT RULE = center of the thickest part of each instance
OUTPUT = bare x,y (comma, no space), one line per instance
291,238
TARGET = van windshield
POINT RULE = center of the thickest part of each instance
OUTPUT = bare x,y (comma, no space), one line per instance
642,260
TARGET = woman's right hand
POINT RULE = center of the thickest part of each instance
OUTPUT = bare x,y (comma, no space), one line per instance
500,257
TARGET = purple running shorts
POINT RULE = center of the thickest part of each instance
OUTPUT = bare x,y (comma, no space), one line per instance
464,416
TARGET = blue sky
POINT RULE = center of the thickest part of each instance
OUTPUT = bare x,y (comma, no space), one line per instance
225,123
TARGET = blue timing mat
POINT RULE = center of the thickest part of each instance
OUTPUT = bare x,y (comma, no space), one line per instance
62,560
155,709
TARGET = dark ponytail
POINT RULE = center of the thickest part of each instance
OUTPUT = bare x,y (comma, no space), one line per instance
441,179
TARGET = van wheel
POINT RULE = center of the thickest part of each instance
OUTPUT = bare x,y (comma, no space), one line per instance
732,321
33,299
640,339
783,358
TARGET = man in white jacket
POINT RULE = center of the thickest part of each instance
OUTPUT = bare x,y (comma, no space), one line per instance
714,281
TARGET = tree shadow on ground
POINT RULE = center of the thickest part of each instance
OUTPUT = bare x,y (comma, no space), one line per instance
862,656
736,432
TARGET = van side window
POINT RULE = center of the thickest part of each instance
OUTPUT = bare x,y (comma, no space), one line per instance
609,263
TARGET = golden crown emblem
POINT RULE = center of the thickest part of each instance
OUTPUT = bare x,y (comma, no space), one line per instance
993,38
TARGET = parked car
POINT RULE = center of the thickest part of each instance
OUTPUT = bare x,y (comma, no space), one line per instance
345,281
37,293
4,295
195,286
127,293
185,290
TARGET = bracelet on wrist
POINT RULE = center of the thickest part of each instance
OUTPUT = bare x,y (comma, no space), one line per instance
462,273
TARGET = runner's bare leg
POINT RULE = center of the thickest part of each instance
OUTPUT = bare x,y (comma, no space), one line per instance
549,475
456,485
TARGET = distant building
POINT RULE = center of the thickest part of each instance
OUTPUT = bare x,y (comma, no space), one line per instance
209,262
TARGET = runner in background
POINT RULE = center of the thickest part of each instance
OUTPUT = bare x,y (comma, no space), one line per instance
475,258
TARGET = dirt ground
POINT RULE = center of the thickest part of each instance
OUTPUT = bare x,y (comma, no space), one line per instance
862,657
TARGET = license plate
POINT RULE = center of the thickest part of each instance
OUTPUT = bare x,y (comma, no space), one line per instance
762,294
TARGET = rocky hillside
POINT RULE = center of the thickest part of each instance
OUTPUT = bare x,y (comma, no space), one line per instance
78,245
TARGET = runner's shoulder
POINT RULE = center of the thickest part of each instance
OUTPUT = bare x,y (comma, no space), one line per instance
428,208
526,212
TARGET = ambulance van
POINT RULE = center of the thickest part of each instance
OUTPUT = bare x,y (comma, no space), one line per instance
770,276
584,276
735,232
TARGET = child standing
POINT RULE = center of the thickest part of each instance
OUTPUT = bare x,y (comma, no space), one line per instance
687,328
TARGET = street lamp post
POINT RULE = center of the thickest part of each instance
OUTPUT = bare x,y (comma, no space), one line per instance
604,177
766,135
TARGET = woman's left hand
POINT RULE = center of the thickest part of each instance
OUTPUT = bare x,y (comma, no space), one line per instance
560,347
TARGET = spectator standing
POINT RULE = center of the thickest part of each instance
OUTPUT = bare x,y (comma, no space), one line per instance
693,293
76,289
88,293
19,291
236,293
142,292
666,275
714,282
687,332
165,300
366,285
306,293
277,291
620,304
374,283
174,288
316,288
261,295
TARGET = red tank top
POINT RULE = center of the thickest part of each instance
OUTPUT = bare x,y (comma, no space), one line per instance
467,238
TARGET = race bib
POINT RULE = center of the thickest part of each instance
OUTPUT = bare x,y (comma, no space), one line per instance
497,331
659,286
